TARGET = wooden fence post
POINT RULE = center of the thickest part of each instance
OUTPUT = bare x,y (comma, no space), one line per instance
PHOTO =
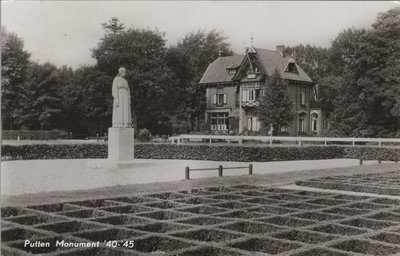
187,170
250,169
361,161
379,160
325,141
220,168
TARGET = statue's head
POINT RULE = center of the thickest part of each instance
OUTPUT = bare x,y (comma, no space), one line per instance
122,72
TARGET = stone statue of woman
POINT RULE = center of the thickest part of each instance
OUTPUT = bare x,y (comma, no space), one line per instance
121,117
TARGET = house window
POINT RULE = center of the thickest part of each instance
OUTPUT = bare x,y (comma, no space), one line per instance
314,122
291,68
253,124
231,71
220,97
251,75
303,98
251,94
302,122
219,121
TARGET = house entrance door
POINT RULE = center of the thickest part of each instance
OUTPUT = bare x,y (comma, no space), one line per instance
233,125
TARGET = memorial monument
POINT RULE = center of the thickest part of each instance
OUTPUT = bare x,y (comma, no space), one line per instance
121,134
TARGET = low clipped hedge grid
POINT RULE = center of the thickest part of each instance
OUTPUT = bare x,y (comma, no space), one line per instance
199,152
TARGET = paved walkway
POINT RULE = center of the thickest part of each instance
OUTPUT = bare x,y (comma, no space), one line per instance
34,176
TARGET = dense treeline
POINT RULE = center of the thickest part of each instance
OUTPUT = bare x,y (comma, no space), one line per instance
358,77
166,97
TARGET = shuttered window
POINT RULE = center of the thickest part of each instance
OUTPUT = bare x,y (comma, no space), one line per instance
220,98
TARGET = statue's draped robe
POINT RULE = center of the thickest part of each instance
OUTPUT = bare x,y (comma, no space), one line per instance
122,113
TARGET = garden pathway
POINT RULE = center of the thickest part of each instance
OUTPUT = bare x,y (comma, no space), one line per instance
34,176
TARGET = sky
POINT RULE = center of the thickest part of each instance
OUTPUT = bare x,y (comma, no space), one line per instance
64,32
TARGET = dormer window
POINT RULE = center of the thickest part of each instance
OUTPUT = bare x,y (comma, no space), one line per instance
231,71
251,75
291,67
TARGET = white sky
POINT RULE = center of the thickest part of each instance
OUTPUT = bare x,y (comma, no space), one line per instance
63,32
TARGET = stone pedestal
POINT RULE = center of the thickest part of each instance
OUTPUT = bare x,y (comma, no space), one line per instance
120,144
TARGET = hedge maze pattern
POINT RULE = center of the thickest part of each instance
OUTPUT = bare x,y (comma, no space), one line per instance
236,220
379,183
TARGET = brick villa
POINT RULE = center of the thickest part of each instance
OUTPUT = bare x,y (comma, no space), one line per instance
236,83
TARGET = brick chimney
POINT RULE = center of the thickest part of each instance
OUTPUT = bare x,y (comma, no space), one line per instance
281,49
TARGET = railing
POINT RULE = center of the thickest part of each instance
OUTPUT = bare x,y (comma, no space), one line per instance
220,170
271,139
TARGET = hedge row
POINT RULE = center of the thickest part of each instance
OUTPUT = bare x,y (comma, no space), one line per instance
350,187
48,151
372,153
33,135
199,152
235,153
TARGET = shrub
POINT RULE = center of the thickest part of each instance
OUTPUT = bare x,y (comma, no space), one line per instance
144,135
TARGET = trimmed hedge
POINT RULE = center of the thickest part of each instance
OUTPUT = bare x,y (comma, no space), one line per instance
48,151
369,153
235,153
199,152
34,134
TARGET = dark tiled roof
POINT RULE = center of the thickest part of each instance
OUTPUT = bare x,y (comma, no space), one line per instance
216,71
271,60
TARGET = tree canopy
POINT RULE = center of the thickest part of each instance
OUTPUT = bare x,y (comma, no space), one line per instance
368,104
275,106
14,66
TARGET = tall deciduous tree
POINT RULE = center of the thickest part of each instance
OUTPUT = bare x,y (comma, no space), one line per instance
14,66
313,59
201,48
42,105
95,102
142,53
275,107
372,78
113,26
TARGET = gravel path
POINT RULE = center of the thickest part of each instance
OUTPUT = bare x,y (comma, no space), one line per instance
34,176
54,183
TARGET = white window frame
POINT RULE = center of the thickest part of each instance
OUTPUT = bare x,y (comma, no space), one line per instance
253,124
221,122
220,98
302,122
302,98
314,122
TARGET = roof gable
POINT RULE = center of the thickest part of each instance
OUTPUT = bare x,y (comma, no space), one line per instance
270,60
